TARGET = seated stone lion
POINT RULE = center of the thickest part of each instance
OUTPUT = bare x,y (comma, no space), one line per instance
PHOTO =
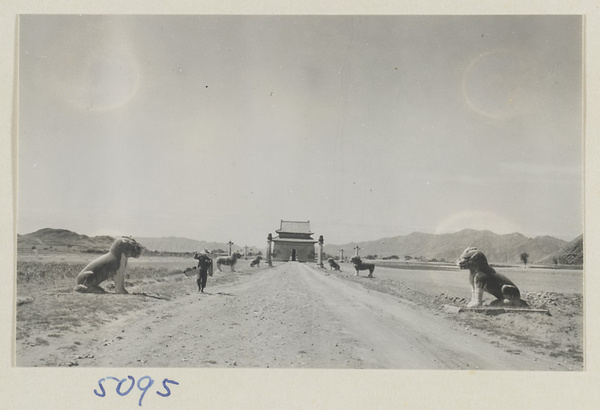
256,261
333,265
483,278
108,266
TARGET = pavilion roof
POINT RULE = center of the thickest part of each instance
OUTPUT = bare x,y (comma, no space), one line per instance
294,240
295,227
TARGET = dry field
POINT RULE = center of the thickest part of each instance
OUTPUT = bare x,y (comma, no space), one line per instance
291,316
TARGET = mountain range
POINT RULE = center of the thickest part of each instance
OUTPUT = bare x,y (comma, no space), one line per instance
447,247
65,240
443,247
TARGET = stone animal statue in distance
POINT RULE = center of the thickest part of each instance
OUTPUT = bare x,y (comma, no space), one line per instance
256,261
228,261
360,265
333,265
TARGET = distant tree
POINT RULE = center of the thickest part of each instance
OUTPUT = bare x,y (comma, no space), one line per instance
407,258
524,258
555,260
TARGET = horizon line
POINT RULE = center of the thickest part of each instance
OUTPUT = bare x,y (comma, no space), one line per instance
330,244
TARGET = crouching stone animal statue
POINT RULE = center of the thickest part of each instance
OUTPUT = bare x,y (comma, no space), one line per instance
108,266
256,261
333,265
483,278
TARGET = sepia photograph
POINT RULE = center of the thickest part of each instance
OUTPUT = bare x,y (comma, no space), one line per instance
314,192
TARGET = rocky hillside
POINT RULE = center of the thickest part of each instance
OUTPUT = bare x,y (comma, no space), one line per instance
498,248
570,254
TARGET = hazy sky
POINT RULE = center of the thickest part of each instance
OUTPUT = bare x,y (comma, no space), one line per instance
217,127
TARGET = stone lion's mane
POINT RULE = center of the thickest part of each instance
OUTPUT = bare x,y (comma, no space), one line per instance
127,246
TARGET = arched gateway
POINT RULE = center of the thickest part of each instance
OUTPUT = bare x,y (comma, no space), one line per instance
294,242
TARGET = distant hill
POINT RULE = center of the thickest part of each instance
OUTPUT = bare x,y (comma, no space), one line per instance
62,240
498,248
177,244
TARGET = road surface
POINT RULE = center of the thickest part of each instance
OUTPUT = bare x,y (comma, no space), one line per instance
291,316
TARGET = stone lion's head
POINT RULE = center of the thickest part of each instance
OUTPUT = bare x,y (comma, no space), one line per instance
471,258
127,246
356,260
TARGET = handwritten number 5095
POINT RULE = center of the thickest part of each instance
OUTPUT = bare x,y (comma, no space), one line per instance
143,385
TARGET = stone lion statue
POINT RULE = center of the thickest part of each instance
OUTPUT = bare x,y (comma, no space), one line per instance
333,265
108,266
228,261
483,278
360,265
256,261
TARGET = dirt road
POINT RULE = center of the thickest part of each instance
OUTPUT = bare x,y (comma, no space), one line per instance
290,316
